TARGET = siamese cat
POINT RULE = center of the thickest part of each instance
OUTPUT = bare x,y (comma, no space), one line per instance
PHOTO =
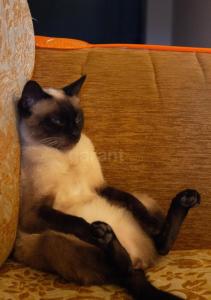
71,222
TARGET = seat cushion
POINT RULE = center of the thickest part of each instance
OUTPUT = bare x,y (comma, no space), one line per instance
185,273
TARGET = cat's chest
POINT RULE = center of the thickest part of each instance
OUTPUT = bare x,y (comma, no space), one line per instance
68,176
74,186
78,179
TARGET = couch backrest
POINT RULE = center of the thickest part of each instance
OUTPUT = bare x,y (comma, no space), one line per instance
149,115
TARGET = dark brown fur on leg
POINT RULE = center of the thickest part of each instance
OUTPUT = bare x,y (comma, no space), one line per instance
177,212
141,289
78,261
66,255
151,223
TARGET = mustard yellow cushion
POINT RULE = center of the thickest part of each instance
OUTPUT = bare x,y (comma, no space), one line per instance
16,64
184,273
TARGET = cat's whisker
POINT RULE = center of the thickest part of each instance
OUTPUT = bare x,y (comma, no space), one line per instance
50,141
51,144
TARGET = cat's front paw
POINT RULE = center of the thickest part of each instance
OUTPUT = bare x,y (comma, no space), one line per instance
188,198
102,232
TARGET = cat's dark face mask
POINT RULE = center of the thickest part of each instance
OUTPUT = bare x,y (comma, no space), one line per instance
52,116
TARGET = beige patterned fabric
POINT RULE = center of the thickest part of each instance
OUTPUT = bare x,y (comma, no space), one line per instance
184,273
16,64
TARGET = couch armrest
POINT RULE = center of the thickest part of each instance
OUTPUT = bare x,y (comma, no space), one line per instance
17,58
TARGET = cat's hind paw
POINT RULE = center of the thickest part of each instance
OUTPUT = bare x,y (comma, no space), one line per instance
102,232
188,198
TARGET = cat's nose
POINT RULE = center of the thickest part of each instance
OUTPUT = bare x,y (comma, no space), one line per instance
76,133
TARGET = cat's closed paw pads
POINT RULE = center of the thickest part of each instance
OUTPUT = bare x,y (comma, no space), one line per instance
102,232
189,198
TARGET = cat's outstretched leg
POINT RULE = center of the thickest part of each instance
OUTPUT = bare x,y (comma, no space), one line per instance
109,262
108,241
135,281
163,231
81,262
177,212
150,222
56,220
141,289
64,254
98,233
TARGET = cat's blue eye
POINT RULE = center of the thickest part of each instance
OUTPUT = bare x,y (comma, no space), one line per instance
57,121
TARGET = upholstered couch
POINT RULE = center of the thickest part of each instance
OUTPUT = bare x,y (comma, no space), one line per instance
148,111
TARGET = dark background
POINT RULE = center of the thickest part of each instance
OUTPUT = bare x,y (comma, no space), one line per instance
165,22
95,21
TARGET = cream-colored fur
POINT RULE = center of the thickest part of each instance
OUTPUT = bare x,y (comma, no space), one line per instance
56,93
72,177
59,95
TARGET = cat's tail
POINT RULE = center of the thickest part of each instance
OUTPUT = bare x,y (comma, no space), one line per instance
141,289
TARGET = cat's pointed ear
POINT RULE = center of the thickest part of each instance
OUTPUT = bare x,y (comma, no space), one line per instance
31,94
32,91
74,88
